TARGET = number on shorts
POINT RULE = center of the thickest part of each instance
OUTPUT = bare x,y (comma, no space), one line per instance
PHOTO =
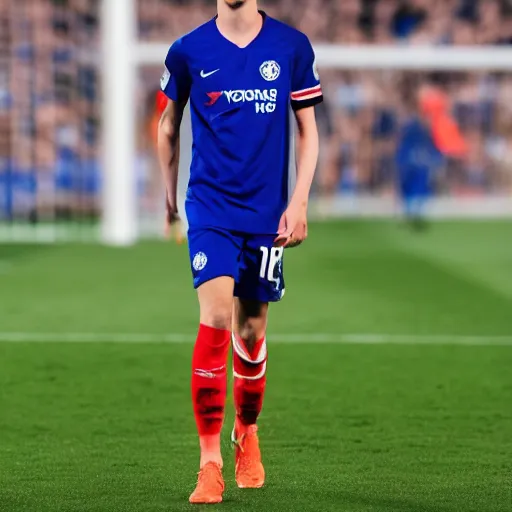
269,259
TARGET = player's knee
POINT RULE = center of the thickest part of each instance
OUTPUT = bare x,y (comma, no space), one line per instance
218,319
249,334
221,320
252,330
216,303
252,321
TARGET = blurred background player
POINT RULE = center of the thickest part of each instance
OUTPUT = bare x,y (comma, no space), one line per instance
429,138
417,159
242,70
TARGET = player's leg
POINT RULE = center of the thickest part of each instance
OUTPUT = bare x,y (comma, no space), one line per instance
249,373
261,281
249,358
209,378
214,256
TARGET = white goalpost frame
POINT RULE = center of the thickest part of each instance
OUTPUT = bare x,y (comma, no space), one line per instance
123,54
119,69
442,58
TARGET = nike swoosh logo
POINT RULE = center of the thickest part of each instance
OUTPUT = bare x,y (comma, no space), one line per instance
206,75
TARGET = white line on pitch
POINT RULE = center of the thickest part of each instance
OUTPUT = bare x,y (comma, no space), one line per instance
312,338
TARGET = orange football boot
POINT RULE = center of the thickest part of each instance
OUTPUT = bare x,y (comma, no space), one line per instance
210,485
249,471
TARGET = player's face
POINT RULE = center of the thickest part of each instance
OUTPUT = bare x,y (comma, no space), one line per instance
235,4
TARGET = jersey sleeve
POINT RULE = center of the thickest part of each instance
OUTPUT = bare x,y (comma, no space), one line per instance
175,82
306,88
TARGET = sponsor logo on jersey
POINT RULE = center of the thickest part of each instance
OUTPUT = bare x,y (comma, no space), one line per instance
206,75
270,70
264,99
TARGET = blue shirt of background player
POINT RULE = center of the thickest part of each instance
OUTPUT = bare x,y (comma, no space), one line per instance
417,158
240,100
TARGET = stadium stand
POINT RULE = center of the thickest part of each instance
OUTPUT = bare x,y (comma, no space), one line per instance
49,96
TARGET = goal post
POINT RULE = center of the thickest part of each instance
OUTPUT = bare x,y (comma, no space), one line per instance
370,57
123,55
119,71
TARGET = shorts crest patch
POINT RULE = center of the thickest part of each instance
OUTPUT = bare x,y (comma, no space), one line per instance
199,262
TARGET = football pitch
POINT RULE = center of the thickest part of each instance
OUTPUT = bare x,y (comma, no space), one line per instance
389,384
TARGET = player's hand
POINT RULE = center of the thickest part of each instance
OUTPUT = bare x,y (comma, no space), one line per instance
171,212
172,222
293,227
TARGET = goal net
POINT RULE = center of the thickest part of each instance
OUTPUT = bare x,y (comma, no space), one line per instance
78,119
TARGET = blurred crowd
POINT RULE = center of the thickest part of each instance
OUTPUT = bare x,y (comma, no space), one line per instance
459,22
49,107
50,102
469,116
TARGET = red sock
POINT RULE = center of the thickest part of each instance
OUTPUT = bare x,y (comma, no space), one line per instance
249,370
209,383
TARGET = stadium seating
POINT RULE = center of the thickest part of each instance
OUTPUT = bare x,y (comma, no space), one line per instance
49,122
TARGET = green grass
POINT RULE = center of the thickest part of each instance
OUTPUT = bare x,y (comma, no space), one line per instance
394,427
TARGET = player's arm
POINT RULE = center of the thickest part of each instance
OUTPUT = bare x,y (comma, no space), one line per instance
307,155
293,228
175,84
169,151
306,93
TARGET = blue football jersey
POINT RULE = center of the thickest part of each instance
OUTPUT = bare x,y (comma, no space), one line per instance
240,100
